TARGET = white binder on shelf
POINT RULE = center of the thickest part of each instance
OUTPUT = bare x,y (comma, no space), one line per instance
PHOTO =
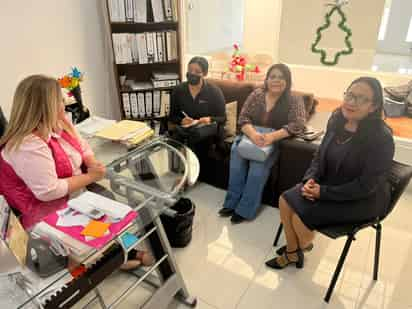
113,12
164,46
135,48
167,4
118,47
156,103
126,105
173,43
141,44
160,46
133,104
155,51
128,42
122,11
157,8
168,45
164,103
115,47
140,11
174,10
140,104
129,11
149,45
149,103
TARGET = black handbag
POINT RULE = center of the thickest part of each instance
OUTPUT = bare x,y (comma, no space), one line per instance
196,133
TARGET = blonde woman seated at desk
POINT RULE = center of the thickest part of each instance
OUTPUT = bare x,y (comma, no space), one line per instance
43,160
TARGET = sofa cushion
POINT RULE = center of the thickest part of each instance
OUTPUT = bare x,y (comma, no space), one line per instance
231,116
309,101
234,90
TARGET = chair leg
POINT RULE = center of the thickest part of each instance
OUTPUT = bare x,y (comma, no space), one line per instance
278,233
339,267
377,251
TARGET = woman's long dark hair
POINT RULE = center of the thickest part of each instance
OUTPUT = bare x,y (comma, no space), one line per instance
373,123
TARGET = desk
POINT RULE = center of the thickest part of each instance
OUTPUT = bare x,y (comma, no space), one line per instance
148,178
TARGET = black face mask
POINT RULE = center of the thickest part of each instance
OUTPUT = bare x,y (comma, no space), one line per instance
193,79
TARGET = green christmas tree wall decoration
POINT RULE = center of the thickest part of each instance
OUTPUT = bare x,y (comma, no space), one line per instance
336,8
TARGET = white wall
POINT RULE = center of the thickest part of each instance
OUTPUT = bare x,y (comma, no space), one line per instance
327,82
213,25
300,20
261,26
49,37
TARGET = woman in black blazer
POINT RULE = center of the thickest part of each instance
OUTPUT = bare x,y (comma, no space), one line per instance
346,182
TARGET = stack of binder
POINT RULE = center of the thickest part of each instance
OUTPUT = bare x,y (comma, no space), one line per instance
146,104
135,11
164,80
146,47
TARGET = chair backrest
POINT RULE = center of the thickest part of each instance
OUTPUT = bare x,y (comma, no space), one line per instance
399,177
3,123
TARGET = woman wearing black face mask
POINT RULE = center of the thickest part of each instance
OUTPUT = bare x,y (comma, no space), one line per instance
197,100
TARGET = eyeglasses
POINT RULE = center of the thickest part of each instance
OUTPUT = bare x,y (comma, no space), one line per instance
276,77
357,99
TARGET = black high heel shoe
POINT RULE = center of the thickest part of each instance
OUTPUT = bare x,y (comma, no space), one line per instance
283,260
281,250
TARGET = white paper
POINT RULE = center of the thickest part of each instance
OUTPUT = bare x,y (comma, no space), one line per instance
71,217
88,200
93,124
75,246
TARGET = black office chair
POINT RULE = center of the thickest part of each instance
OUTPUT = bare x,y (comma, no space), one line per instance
399,178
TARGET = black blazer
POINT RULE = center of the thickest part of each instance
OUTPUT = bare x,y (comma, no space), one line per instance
363,168
3,123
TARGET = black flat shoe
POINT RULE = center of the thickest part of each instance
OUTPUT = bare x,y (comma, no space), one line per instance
226,212
236,219
283,260
281,250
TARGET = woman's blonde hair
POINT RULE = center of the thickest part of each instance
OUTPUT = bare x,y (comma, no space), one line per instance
36,106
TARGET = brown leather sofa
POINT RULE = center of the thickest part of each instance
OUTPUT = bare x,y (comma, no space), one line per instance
295,155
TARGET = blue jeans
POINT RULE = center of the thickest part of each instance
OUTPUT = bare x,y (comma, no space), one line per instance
247,180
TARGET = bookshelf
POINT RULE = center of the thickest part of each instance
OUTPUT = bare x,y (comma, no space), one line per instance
140,49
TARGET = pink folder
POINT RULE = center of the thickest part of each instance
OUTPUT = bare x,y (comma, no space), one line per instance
75,231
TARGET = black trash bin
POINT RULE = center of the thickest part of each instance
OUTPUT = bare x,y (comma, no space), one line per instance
179,228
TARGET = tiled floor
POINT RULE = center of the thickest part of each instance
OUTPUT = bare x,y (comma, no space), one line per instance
224,264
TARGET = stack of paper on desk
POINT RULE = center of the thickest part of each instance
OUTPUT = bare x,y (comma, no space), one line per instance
111,208
76,247
94,124
127,131
116,214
